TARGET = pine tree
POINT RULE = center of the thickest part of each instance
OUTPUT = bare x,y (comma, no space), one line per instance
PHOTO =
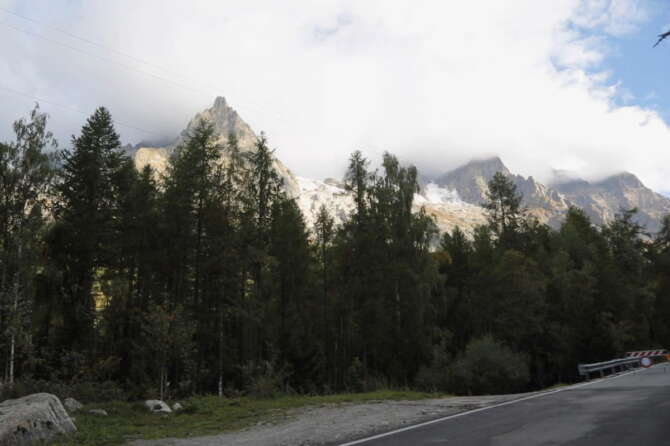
262,188
504,207
85,214
324,234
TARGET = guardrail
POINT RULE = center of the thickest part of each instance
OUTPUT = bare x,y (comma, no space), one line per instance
620,364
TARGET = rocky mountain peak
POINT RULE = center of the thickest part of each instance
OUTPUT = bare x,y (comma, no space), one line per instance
220,102
622,180
602,200
471,180
482,167
226,121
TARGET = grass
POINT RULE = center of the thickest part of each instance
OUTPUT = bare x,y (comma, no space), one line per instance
201,416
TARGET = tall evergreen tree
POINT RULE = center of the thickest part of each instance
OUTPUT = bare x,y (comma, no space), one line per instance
85,214
504,208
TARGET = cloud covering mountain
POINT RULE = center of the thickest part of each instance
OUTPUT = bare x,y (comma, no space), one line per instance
454,198
437,83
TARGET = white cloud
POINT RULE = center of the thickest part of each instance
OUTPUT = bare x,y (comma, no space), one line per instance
435,82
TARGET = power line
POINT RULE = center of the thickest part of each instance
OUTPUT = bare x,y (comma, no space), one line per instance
69,108
126,66
121,64
211,88
90,42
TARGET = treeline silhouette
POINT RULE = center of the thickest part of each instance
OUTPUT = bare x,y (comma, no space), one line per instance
118,283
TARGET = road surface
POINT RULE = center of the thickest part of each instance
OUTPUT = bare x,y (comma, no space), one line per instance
630,409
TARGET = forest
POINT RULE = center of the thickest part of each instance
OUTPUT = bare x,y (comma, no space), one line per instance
204,279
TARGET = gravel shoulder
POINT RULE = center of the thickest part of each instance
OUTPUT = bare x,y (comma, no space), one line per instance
335,424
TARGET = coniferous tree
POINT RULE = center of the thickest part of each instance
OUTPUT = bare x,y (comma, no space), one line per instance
324,234
85,214
504,207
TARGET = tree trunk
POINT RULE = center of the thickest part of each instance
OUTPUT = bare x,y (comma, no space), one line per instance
15,308
220,349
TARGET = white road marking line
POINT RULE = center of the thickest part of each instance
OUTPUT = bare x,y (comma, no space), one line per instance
481,409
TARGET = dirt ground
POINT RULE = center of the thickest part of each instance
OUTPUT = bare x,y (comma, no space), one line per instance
336,424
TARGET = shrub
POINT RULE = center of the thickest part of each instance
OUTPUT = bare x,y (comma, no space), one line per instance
354,378
264,379
434,377
489,367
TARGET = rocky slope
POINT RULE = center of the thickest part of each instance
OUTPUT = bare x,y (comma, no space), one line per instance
449,210
603,199
600,200
470,182
454,198
226,121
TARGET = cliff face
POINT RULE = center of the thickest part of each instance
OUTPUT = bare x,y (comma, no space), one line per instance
603,199
226,122
454,198
470,182
449,211
600,200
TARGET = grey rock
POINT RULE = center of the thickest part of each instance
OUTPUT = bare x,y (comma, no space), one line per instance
99,412
72,405
602,200
33,419
157,406
226,121
177,407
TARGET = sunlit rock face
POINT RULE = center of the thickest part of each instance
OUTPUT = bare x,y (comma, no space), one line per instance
226,121
602,200
443,204
454,198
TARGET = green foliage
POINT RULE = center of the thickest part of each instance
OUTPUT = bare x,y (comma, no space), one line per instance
204,416
504,206
488,367
205,279
264,379
25,182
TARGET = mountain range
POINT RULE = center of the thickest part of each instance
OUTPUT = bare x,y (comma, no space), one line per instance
453,198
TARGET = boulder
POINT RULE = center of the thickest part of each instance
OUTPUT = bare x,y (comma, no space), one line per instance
72,405
99,412
177,407
157,406
33,419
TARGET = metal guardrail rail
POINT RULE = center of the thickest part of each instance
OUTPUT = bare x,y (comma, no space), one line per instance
620,364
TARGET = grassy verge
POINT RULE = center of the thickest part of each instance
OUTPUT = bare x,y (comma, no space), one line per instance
202,416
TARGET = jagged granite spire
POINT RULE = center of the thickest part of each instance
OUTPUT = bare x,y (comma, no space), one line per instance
226,121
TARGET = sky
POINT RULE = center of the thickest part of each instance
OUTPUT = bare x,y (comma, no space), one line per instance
570,86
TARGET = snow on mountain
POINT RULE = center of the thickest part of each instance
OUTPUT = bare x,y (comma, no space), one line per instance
454,198
444,204
331,193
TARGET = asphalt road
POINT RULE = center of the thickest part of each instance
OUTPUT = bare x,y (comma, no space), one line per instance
630,409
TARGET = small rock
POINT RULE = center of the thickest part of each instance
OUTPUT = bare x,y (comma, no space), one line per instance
157,406
100,412
72,405
177,407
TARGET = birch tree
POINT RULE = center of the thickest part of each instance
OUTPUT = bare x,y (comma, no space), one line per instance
25,177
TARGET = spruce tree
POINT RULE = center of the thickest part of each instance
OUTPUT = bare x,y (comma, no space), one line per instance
85,214
504,208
